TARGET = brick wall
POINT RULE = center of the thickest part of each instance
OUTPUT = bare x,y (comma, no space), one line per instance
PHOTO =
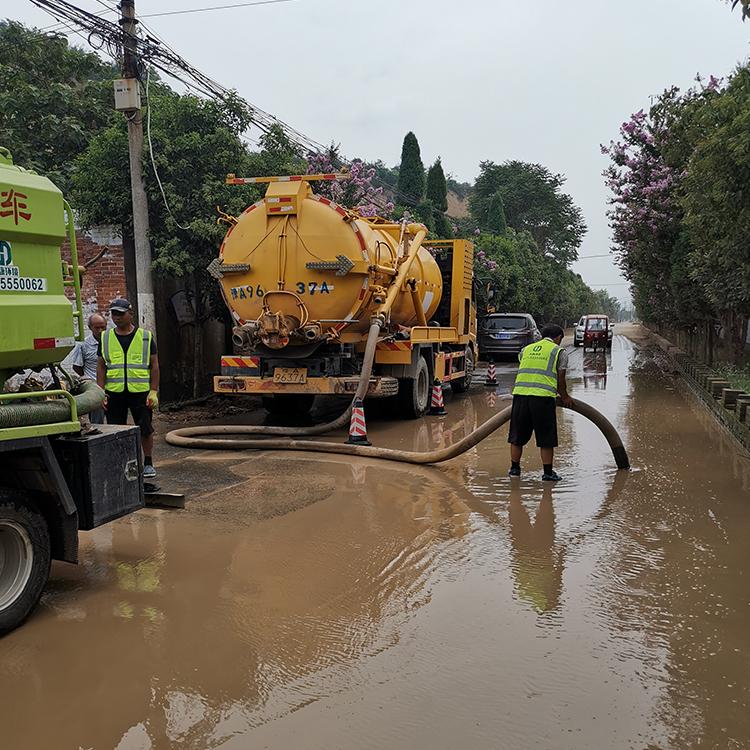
105,277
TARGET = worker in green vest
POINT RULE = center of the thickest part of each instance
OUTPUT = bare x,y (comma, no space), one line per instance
540,379
128,370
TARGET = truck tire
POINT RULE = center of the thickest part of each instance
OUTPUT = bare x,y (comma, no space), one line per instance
289,404
463,384
414,393
24,557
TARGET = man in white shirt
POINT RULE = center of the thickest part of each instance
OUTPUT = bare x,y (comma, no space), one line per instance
85,357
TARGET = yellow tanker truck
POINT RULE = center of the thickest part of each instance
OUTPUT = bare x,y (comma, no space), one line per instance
305,278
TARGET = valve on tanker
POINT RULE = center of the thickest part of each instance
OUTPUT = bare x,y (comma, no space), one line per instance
275,328
244,336
379,294
312,332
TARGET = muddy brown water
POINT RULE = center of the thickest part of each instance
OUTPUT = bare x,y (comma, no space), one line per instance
306,602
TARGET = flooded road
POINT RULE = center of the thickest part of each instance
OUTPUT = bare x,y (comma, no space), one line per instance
306,602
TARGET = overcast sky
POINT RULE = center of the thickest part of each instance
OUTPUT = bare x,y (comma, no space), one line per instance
542,81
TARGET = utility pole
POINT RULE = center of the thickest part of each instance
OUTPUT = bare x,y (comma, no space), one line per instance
144,282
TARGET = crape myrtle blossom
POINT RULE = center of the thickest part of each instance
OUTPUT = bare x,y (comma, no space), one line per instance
648,167
357,193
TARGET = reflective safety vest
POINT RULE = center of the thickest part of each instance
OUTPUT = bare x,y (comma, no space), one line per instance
537,373
138,363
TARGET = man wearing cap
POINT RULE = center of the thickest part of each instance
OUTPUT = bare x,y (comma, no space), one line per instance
128,370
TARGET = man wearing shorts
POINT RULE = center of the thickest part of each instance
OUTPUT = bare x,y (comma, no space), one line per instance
128,370
541,377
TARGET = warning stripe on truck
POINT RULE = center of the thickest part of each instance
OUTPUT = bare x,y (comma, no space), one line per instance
251,362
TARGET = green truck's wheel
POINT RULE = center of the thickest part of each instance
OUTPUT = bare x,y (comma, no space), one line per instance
24,558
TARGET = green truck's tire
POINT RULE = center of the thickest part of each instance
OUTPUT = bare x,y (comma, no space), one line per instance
24,557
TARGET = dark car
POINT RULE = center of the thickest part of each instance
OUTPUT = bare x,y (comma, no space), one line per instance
506,333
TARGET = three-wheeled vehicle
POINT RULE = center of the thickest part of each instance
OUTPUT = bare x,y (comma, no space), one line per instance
596,332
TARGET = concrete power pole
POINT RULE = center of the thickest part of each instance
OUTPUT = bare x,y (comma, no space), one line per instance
144,282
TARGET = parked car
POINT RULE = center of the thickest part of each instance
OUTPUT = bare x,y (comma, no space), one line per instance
578,335
506,333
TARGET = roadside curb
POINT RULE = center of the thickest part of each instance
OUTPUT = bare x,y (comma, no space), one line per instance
730,406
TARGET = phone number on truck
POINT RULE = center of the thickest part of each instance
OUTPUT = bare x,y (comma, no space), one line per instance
22,284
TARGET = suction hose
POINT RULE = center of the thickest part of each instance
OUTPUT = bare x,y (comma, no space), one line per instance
88,398
187,437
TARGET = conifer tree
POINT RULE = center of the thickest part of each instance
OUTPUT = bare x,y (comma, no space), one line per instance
496,215
437,188
411,178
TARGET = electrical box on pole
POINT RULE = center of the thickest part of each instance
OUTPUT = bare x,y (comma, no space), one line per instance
127,94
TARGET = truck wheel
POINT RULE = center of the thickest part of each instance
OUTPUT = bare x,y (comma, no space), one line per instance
463,384
24,558
414,393
289,404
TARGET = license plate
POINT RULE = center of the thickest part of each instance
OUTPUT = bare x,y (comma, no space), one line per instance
290,375
503,336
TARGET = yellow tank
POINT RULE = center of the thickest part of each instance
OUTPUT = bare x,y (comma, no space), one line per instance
303,269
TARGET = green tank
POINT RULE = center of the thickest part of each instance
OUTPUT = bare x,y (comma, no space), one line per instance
36,318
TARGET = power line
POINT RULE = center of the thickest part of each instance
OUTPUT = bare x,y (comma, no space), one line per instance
155,51
215,7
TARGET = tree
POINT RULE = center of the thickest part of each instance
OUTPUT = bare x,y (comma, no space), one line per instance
717,206
358,192
181,127
411,179
54,98
496,220
437,188
533,202
436,195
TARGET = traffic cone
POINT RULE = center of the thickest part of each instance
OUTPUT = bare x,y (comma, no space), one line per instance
357,427
437,405
491,376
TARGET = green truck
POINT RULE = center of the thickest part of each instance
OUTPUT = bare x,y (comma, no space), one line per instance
56,478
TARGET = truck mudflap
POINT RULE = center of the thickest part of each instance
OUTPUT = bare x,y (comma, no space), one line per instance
380,386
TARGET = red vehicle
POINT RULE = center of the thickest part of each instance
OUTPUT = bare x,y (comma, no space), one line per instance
596,332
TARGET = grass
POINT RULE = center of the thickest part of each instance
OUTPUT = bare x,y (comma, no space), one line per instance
739,377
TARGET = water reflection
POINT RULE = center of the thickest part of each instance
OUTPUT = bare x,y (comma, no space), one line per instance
595,369
537,565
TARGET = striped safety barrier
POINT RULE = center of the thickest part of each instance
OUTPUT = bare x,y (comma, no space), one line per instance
357,426
491,375
437,405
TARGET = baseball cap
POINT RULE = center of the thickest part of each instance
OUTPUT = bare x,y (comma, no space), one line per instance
119,305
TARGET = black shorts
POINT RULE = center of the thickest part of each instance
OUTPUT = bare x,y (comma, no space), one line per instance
118,405
535,414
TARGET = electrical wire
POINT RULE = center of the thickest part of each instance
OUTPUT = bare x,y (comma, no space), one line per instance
151,152
215,7
157,53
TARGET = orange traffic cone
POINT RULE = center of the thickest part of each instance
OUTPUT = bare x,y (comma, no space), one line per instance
437,405
357,426
491,377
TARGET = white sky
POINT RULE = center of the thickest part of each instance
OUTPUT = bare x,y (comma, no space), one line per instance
543,81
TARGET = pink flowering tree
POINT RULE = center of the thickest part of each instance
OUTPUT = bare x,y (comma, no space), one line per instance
646,176
358,192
